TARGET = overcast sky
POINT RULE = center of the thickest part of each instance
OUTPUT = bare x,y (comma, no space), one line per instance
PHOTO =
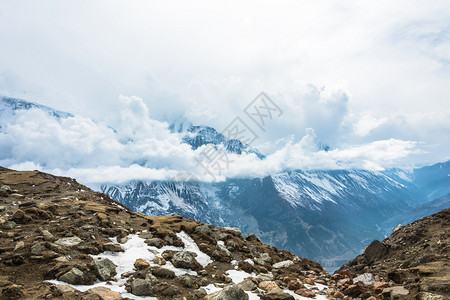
349,74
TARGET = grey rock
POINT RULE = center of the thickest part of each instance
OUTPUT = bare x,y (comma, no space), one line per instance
141,287
185,260
283,264
105,268
366,278
247,285
74,276
395,292
69,241
263,260
38,248
234,230
112,247
155,242
203,229
230,292
47,235
171,291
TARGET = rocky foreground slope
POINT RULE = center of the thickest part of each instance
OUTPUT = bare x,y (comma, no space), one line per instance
60,240
416,257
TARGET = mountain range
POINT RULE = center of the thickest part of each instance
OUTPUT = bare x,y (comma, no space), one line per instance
324,215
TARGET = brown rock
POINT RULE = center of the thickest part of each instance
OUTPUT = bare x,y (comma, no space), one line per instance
105,293
294,285
305,293
141,263
308,281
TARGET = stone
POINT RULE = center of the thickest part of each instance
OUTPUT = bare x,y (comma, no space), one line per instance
309,281
104,293
265,277
283,264
268,286
185,260
112,247
429,296
294,285
305,293
163,273
233,230
251,237
141,263
247,285
38,248
203,229
74,276
223,250
264,259
230,292
171,291
278,295
366,278
68,241
141,287
19,245
159,260
48,236
398,227
395,292
155,242
375,250
105,268
187,281
64,288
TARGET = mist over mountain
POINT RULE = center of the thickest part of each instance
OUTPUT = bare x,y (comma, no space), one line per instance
327,215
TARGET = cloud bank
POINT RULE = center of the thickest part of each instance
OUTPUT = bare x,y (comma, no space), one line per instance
138,147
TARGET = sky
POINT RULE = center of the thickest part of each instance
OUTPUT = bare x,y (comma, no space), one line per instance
370,79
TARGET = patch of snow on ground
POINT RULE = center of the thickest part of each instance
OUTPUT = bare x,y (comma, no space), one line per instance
190,245
136,248
238,276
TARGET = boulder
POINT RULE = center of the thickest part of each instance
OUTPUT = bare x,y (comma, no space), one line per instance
104,293
105,268
230,292
366,278
141,263
74,276
233,230
141,287
155,242
203,229
68,241
283,264
112,247
185,260
247,285
375,250
395,292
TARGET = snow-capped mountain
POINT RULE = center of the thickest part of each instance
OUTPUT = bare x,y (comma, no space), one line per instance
9,106
197,136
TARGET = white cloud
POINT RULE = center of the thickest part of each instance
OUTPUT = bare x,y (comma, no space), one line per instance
359,73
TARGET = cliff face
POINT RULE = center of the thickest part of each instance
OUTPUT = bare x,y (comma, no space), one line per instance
415,256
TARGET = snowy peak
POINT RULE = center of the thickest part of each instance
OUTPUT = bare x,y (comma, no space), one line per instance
8,106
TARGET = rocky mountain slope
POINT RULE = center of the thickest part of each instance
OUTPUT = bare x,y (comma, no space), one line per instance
60,240
416,258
